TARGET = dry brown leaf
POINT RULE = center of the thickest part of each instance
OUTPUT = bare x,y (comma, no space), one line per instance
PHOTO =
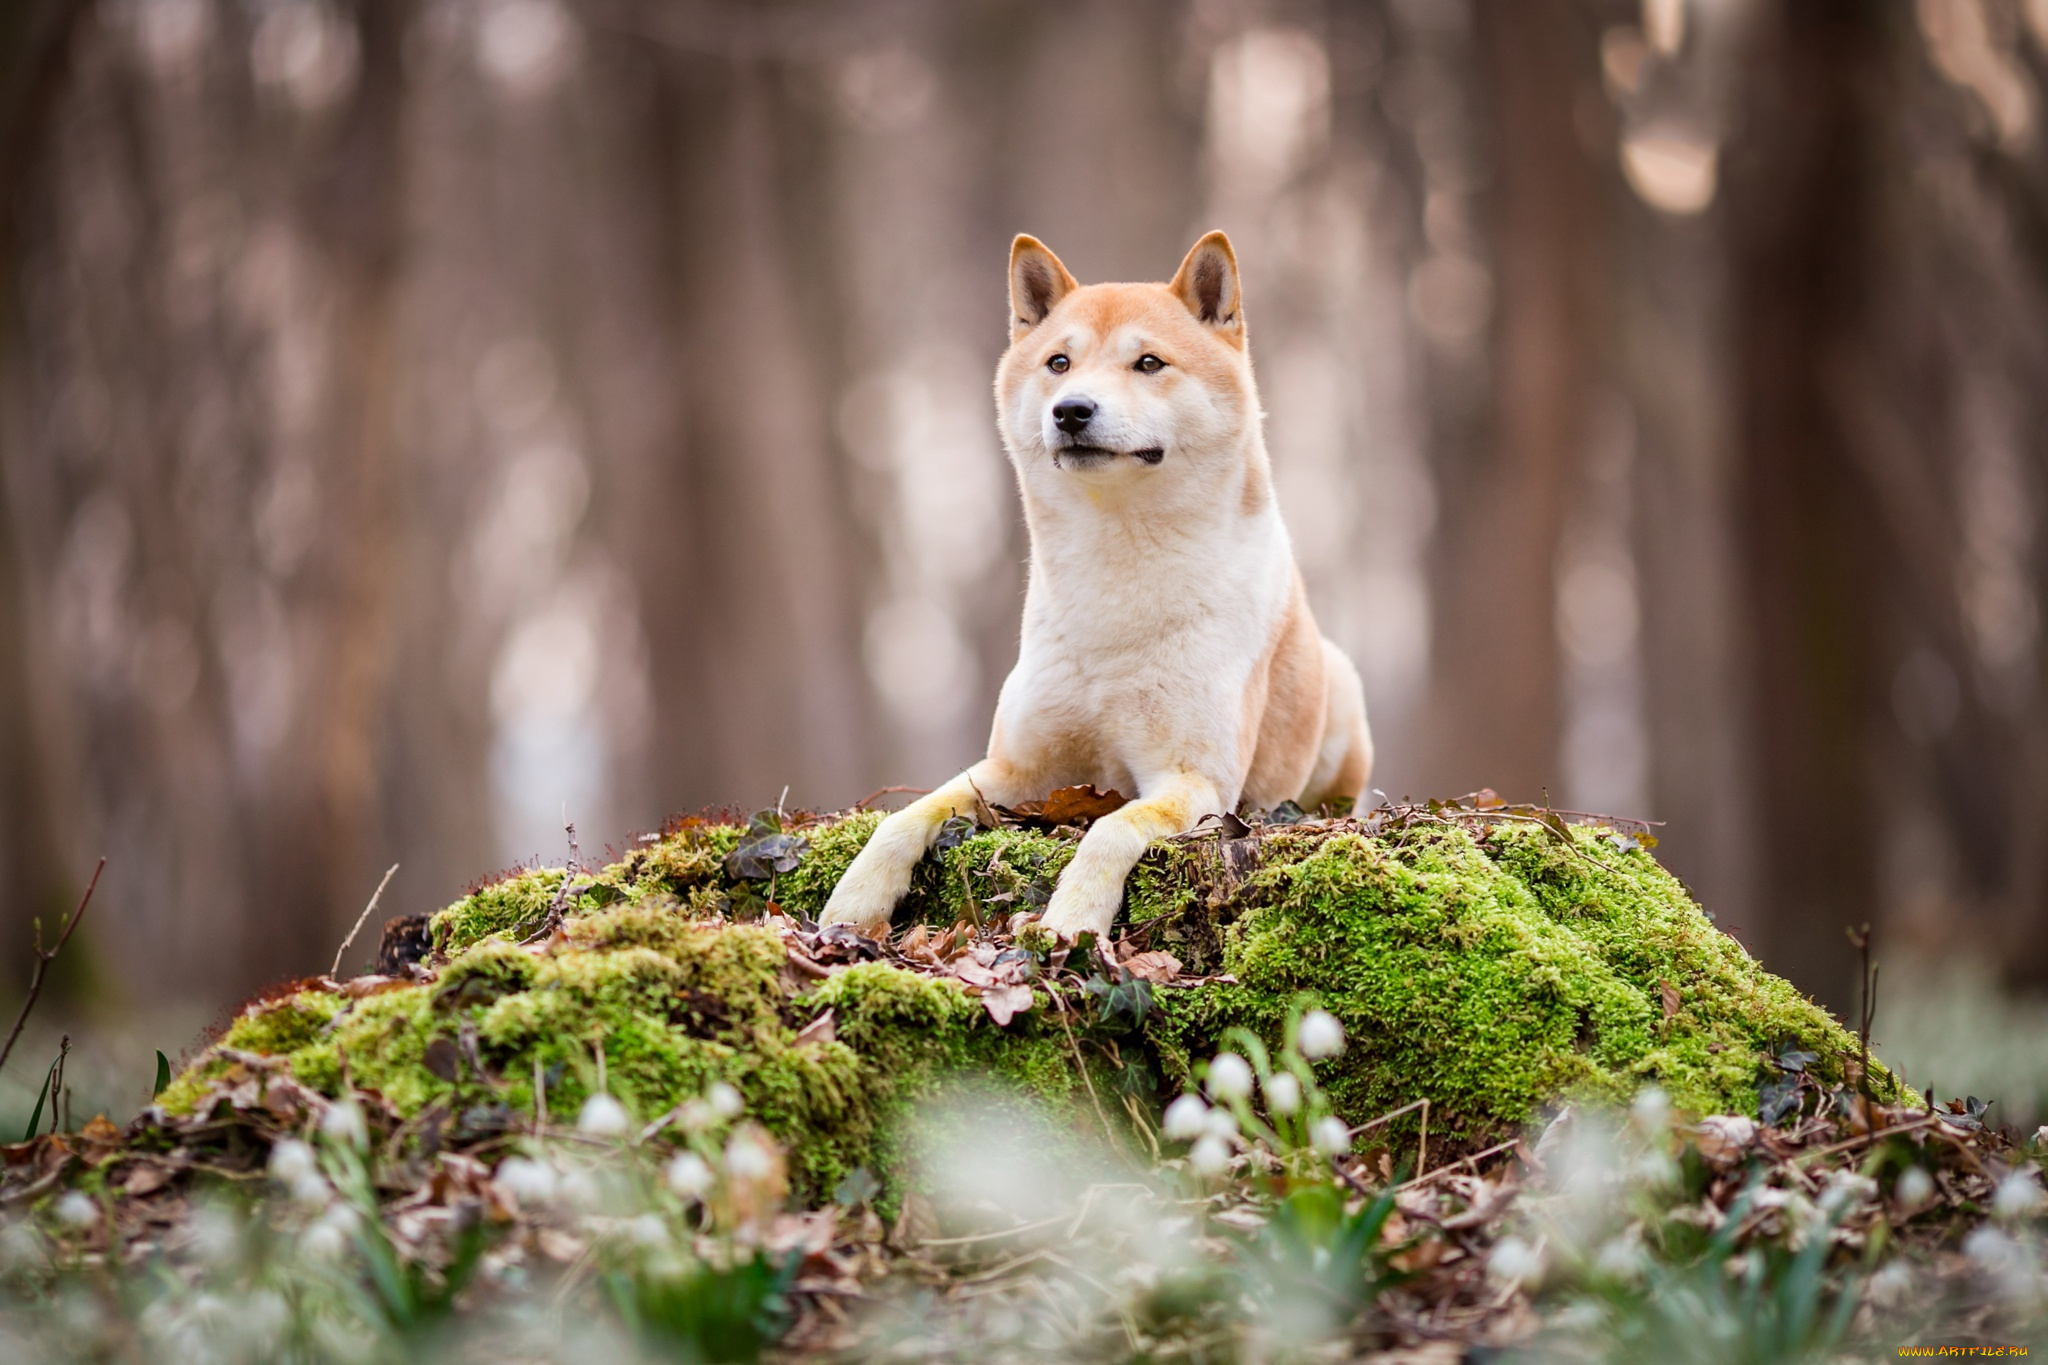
146,1178
358,987
1156,967
973,973
1005,1003
1079,805
823,1029
558,1246
443,1059
1723,1138
916,1224
1670,994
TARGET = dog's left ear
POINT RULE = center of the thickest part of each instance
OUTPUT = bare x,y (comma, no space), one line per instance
1207,284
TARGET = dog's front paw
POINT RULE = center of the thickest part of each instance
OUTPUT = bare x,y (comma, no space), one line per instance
867,894
1083,905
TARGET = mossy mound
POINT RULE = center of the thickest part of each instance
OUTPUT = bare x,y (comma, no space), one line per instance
1489,963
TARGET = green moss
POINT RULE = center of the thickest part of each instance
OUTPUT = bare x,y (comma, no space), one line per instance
1493,972
831,852
518,902
282,1026
272,1028
1492,976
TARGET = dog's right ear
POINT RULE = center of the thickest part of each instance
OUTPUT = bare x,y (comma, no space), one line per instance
1037,282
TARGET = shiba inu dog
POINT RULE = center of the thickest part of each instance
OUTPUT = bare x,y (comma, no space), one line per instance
1167,649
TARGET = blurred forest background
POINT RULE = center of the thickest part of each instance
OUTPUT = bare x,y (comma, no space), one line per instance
423,419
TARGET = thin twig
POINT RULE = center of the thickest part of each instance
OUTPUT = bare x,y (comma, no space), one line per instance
44,959
57,1084
1472,1161
335,970
881,792
1872,1136
1060,1008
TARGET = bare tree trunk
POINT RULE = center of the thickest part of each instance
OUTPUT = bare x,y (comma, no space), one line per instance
1496,703
313,860
35,47
1800,202
751,591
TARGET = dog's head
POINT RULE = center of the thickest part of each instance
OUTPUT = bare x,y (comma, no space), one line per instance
1126,385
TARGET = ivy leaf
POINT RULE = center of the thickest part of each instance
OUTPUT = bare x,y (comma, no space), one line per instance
1122,1004
1777,1098
957,830
765,850
857,1188
1794,1058
1286,813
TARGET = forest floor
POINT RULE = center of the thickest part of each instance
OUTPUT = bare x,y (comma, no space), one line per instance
263,1212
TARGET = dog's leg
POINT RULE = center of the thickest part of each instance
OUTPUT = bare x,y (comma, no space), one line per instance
866,896
1344,756
1092,887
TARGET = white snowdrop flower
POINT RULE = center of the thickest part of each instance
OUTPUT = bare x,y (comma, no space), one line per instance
695,1116
1210,1155
525,1181
2018,1196
216,1235
647,1230
1514,1261
1221,1123
1889,1287
292,1161
748,1158
21,1246
77,1209
264,1317
343,1123
725,1101
1914,1188
1622,1258
326,1237
1331,1135
1844,1191
1654,1169
1186,1119
580,1190
312,1190
1992,1248
603,1116
1320,1035
1230,1077
1283,1094
1651,1109
689,1175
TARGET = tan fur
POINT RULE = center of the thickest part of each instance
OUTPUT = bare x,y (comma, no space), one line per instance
1168,650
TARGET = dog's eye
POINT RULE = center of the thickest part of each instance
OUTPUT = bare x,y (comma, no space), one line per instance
1058,364
1150,364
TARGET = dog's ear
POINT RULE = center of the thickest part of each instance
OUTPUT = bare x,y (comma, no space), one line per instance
1207,284
1037,282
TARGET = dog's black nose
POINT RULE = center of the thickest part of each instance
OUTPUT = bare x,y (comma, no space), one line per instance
1072,415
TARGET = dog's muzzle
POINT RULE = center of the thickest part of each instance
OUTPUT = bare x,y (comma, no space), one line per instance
1094,457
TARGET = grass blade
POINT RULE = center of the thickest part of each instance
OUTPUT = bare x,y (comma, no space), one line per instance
163,1074
35,1119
